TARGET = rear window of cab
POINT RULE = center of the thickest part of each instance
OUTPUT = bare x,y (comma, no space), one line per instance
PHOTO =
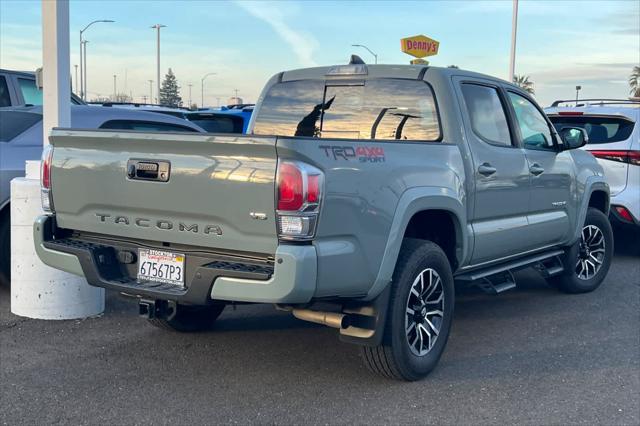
378,109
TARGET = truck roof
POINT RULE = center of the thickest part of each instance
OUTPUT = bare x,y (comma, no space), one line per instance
378,71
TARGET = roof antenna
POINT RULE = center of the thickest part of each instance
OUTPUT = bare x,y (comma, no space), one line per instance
356,60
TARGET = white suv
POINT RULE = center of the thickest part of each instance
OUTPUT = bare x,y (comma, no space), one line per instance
614,139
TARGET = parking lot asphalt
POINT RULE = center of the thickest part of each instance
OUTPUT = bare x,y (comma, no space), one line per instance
530,356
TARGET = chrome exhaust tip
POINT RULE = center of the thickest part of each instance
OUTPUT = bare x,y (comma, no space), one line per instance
330,319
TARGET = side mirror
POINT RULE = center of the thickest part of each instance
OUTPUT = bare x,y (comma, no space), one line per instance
573,137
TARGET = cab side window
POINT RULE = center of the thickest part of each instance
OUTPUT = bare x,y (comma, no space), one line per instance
488,119
532,124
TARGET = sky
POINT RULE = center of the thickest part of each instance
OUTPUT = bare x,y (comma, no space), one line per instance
560,43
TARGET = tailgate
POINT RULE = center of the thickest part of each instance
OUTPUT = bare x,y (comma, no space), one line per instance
218,190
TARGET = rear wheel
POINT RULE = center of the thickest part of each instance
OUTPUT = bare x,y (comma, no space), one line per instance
419,316
587,262
5,248
190,318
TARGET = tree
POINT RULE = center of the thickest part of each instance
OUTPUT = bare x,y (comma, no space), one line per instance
524,83
170,91
634,82
122,98
453,66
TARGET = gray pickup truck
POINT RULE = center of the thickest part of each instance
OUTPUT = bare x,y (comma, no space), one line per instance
359,198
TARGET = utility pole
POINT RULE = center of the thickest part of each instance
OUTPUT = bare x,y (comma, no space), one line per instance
151,91
157,27
514,30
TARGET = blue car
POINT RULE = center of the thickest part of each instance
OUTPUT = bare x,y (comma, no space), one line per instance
234,117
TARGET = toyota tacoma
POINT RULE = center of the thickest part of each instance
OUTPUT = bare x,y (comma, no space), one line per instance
361,195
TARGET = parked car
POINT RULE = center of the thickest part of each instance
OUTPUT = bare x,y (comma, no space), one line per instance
228,120
21,140
614,139
240,114
19,88
359,197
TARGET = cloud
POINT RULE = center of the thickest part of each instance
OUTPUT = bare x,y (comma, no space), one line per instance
302,44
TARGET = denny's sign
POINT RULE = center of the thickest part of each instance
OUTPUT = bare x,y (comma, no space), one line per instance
419,46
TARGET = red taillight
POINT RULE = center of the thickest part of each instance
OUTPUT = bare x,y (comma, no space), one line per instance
290,187
624,213
313,189
45,168
630,157
299,195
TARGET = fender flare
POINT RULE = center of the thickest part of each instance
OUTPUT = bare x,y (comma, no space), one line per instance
413,201
593,183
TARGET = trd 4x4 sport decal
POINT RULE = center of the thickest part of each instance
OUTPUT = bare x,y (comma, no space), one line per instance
361,153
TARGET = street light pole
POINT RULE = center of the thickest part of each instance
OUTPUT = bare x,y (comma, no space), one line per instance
84,58
190,95
83,53
514,30
150,91
115,91
202,87
76,78
375,57
157,27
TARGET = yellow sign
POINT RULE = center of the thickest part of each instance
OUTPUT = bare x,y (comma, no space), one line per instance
418,61
419,46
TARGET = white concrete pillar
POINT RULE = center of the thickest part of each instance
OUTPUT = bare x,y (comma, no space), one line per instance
56,66
38,291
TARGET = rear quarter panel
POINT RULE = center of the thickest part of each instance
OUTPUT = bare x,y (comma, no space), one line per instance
362,193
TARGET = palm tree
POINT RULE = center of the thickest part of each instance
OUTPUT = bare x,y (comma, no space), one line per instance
524,83
634,82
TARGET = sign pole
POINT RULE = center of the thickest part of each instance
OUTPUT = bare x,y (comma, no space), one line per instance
514,30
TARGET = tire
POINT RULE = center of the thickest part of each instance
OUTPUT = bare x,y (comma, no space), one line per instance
397,357
190,318
586,252
5,249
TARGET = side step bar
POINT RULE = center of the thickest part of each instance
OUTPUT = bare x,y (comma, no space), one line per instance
499,278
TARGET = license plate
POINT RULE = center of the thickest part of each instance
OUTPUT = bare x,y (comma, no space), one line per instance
161,266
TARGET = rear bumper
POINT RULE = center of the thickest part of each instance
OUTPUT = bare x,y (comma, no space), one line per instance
291,278
629,199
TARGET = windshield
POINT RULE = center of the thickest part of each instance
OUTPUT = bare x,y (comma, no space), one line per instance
599,129
33,96
217,123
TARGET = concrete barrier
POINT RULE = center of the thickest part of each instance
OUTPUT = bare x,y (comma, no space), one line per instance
37,290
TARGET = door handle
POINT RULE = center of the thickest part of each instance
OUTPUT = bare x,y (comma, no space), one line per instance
151,170
536,169
486,169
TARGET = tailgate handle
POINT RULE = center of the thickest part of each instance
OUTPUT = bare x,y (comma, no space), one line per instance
152,170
